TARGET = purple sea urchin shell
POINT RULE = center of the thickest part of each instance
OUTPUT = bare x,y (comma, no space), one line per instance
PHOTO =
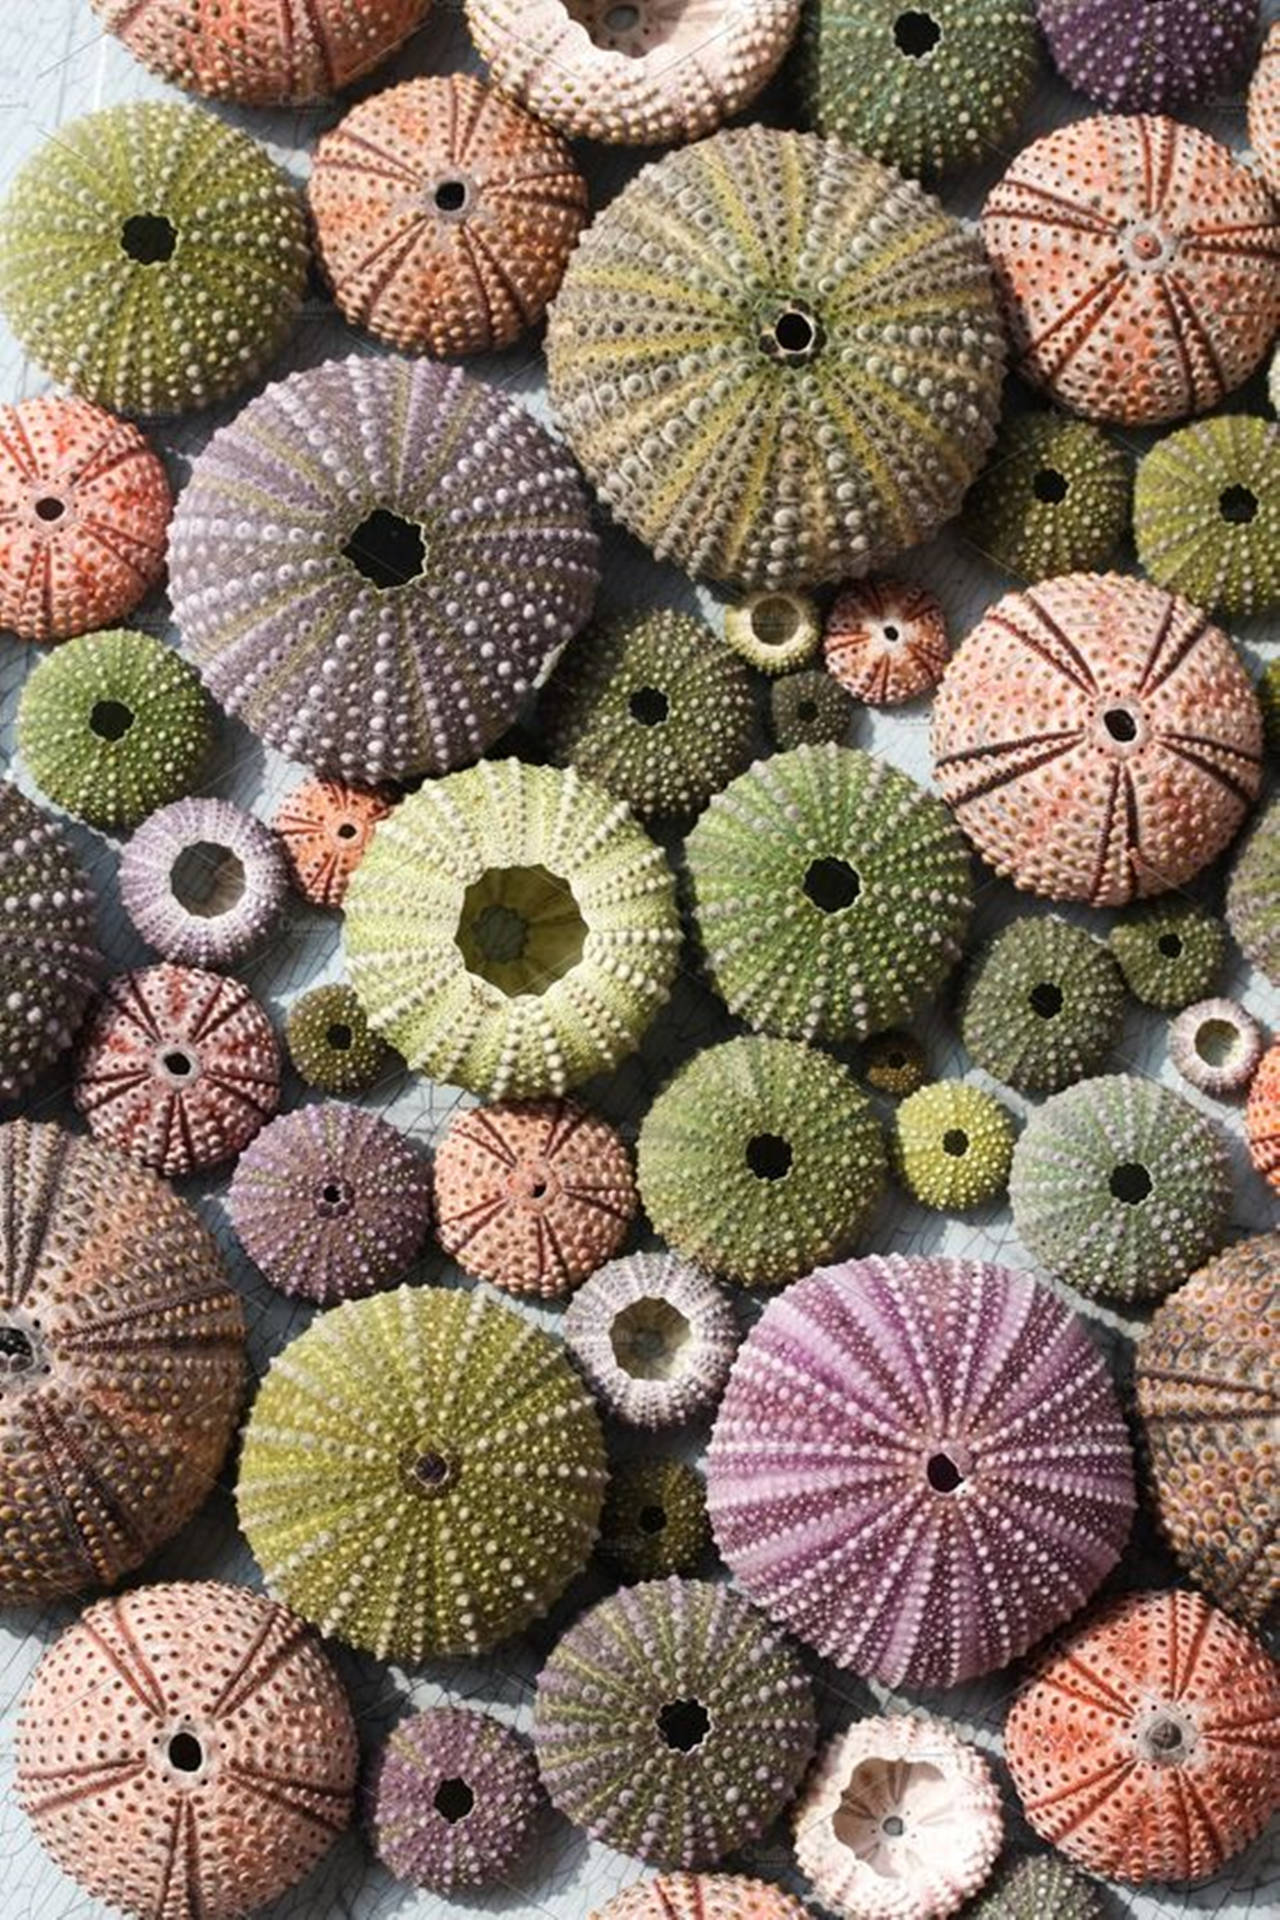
330,1202
50,962
1215,1046
203,882
1145,56
453,1799
655,1337
919,1466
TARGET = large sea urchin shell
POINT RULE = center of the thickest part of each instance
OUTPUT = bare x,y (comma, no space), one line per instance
1206,513
1253,894
453,1798
1097,738
1042,1004
325,829
1144,56
203,882
1264,109
702,1896
373,563
50,961
1053,498
654,1337
187,1751
1262,1117
778,362
919,1466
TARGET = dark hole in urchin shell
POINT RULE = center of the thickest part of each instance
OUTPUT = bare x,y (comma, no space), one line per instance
1045,998
955,1142
346,830
450,196
915,34
1166,1737
894,1825
453,1800
185,1753
431,1468
331,1193
179,1064
942,1473
1050,487
649,706
148,238
17,1355
684,1724
538,1191
807,710
339,1036
1130,1183
1238,505
794,332
832,885
49,507
1170,945
652,1519
110,719
1120,724
891,632
769,1156
387,549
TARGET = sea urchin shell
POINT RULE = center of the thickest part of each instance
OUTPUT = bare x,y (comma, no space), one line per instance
1206,513
1042,1004
1053,498
331,1044
325,829
951,1145
1216,1046
1144,56
203,882
654,1338
1039,1886
654,1521
1262,1117
702,1896
885,641
453,1798
50,961
1170,953
1264,109
1253,894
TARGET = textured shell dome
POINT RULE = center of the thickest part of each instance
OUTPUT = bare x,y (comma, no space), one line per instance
152,257
886,641
1039,1886
453,1799
211,1747
1147,1748
1208,1380
808,709
654,1338
50,961
203,882
512,930
123,1349
331,1044
1121,296
324,829
84,515
895,1063
1053,498
702,1896
642,75
1253,894
919,1467
1143,56
1042,1004
422,1473
778,362
1206,513
774,630
1216,1046
830,894
1170,953
1098,739
673,1723
1262,1117
1264,109
951,1145
654,1520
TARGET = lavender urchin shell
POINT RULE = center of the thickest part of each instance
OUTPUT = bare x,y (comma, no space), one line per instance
741,324
1206,513
152,257
774,631
1207,1380
808,709
919,1467
178,1068
203,882
1097,738
422,1473
654,1521
1041,1005
512,930
900,1820
1215,1046
1120,1188
1053,498
1170,954
672,1722
951,1146
654,1337
374,562
452,1800
1262,1117
331,1044
329,1202
325,829
123,1364
185,1751
702,1896
1039,1886
1253,894
1144,56
50,961
1264,110
886,641
830,893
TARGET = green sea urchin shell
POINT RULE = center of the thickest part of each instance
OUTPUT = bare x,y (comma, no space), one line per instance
831,894
113,725
1042,1005
422,1473
1170,954
1053,498
331,1044
655,1519
1206,513
1040,1886
808,709
1268,692
894,1063
152,257
778,362
1253,894
655,709
774,632
951,1146
512,930
759,1159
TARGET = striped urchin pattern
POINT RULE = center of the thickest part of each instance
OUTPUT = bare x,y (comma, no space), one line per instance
1206,513
1147,1748
203,882
702,1896
1039,1886
1097,738
50,961
1264,109
1262,1117
778,361
654,1338
1139,265
187,1751
672,1722
1144,56
1042,1004
452,1800
324,829
1253,894
886,641
951,1145
1170,953
1216,1046
654,1521
373,563
919,1467
1053,498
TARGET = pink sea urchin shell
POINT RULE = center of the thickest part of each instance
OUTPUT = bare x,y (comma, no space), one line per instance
702,1896
655,1337
900,1821
203,882
1097,739
919,1466
1264,109
453,1799
1262,1117
886,641
324,828
1216,1046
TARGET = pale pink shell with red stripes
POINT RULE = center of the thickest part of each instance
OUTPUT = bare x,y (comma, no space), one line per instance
886,641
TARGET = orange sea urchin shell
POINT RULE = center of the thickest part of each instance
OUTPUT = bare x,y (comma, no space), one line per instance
324,828
1262,1117
886,641
702,1896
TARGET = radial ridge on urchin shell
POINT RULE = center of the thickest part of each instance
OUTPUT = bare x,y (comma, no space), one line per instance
452,1799
654,1337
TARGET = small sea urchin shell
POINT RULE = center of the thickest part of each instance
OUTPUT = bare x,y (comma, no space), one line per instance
773,631
702,1896
1215,1046
331,1044
886,641
654,1521
1262,1117
808,709
1170,954
894,1063
453,1799
919,1467
203,882
187,1750
654,1337
1264,109
50,961
1053,498
1206,513
324,829
1144,56
672,1722
1253,894
1042,1004
951,1146
1039,1886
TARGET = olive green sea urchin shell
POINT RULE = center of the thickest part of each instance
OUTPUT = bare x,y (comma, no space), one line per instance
152,257
422,1473
951,1146
1042,1005
1253,894
807,709
655,1519
774,632
1053,498
1170,954
331,1044
894,1063
1040,1886
1268,691
1206,513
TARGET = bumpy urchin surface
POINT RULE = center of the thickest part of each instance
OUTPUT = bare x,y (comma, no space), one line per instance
1042,1004
84,514
760,1158
1264,109
886,641
325,828
1144,56
330,1202
654,1337
645,75
951,1146
1206,513
830,894
1262,1117
1105,237
178,1068
512,930
919,1466
673,1723
1053,498
114,725
655,709
532,1195
894,1063
1207,1378
152,257
900,1820
1170,954
331,1044
452,1800
203,882
1039,1886
1120,1187
774,631
1268,691
1098,738
123,1364
741,323
1216,1046
702,1896
654,1522
1147,1747
1253,894
444,215
375,560
187,1750
50,960
928,90
422,1473
808,709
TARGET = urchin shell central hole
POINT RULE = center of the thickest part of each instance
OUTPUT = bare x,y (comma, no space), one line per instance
622,19
1237,505
331,1193
148,238
207,879
1130,1183
1166,1736
521,929
386,549
453,1800
807,710
17,1355
450,196
916,34
942,1473
1120,724
179,1064
1045,998
648,1339
49,507
1216,1041
955,1141
110,719
891,633
1050,486
431,1468
774,621
684,1724
652,1519
339,1036
346,830
1170,945
832,885
894,1825
794,332
884,1800
769,1156
649,705
185,1753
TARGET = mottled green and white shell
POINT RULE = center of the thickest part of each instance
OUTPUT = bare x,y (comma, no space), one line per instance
1206,513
